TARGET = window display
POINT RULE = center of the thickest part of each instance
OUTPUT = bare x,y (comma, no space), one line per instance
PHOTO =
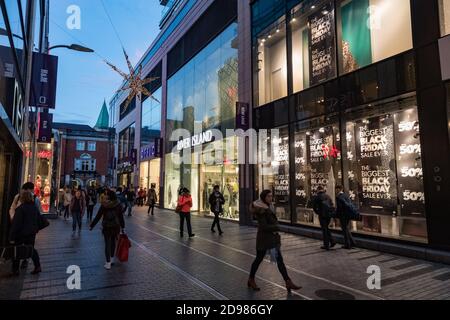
151,118
126,141
42,182
385,178
271,63
445,16
274,170
317,163
369,31
313,44
172,181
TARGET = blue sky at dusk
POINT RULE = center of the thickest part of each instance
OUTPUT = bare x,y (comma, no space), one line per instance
84,80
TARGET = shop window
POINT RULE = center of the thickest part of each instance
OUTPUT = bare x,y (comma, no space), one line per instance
126,141
270,63
313,44
317,163
369,31
172,181
92,146
384,173
445,16
274,170
81,145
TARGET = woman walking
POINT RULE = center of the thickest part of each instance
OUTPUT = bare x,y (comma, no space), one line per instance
267,239
25,226
113,223
152,199
91,203
67,202
184,210
77,207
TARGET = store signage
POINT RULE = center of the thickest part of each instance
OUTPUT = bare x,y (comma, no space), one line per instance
45,154
45,121
195,140
242,116
44,80
125,167
322,45
152,150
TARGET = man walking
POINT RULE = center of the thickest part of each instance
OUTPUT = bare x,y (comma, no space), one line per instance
343,204
323,207
152,199
216,202
131,197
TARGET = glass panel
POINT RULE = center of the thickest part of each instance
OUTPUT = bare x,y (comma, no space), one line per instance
151,119
143,175
274,170
172,182
445,16
317,163
270,63
313,44
384,168
370,31
154,173
43,175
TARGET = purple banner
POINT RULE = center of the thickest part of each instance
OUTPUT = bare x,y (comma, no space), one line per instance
45,121
242,116
44,80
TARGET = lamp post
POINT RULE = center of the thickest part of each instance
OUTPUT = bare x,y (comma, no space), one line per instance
33,122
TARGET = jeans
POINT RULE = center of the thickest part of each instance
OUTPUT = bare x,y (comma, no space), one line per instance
90,212
327,237
76,220
130,207
35,256
260,254
110,246
216,221
66,212
186,216
151,207
348,239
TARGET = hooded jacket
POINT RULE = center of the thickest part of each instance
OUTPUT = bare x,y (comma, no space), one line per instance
118,211
268,227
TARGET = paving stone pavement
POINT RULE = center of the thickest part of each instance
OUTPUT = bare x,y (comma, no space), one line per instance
163,266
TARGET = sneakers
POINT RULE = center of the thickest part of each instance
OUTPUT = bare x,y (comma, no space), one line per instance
107,265
191,235
113,261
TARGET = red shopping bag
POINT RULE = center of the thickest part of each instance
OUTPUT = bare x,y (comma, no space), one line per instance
123,247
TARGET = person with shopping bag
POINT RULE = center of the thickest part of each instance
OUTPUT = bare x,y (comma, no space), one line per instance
123,248
113,224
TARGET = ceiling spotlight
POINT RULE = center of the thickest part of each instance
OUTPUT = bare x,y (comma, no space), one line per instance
278,30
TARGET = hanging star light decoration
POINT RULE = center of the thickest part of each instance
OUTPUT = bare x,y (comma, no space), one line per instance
134,82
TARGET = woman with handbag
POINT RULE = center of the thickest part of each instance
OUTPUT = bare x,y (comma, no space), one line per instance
113,223
184,210
26,224
268,239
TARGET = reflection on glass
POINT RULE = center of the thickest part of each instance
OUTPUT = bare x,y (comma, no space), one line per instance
370,31
151,118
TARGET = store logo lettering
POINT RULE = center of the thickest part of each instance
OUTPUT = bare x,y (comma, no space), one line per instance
195,140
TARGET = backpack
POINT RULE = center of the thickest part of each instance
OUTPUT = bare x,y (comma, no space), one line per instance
110,219
327,209
350,210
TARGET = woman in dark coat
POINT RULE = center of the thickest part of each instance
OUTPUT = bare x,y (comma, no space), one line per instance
113,222
267,239
25,226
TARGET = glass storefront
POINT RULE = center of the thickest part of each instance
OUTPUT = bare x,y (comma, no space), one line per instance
202,97
373,151
149,175
151,118
357,32
126,141
43,170
445,16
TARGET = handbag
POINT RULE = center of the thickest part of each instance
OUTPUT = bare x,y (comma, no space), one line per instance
42,222
19,252
178,209
123,248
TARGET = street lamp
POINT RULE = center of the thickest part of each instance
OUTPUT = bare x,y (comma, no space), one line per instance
75,47
33,128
